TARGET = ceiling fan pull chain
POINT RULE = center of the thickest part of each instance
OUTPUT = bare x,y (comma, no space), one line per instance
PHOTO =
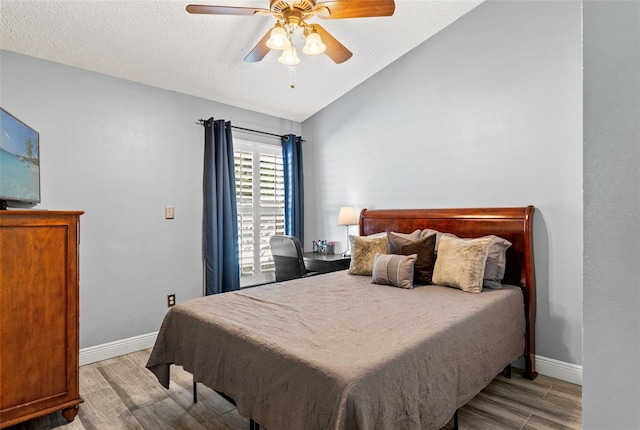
293,84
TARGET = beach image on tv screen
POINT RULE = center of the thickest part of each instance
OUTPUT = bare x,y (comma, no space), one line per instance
19,160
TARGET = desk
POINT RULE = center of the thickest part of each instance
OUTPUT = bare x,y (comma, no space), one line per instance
324,263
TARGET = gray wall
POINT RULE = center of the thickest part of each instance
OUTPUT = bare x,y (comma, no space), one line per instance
486,113
611,215
121,151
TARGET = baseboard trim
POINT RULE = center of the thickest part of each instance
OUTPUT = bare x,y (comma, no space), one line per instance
117,348
545,366
559,369
555,369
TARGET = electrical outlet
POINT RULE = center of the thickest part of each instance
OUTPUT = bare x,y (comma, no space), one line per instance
171,300
169,212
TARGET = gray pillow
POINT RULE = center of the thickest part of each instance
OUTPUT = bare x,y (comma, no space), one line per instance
496,263
396,270
411,236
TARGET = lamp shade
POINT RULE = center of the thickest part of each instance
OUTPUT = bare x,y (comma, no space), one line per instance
314,45
289,57
347,216
278,39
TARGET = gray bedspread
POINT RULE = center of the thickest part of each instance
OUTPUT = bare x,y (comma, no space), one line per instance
336,352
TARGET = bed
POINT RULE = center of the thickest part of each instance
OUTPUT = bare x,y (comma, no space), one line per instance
335,351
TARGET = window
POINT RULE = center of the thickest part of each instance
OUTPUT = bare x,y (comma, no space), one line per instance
260,199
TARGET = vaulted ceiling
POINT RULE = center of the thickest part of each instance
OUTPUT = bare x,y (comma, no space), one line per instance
158,43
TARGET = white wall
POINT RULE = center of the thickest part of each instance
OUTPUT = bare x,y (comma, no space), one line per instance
486,113
121,151
611,215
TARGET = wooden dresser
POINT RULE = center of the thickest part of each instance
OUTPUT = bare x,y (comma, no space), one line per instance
39,300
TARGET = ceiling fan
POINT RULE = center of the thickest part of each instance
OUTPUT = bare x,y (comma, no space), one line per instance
292,15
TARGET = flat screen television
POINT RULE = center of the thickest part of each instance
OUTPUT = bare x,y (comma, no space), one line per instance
19,162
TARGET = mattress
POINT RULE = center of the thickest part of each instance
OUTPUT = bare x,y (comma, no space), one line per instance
335,351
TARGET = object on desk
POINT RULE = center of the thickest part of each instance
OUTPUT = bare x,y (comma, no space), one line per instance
323,246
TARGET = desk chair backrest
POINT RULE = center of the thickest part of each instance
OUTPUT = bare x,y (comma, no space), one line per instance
287,256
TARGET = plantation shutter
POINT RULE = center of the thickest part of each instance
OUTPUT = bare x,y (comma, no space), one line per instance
260,199
243,161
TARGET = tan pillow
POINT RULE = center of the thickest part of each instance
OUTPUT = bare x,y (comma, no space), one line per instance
363,251
496,261
460,263
396,270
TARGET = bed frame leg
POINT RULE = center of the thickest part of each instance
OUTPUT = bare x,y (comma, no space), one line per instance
529,367
253,425
195,392
455,420
507,371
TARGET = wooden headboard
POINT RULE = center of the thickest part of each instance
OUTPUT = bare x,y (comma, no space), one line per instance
513,224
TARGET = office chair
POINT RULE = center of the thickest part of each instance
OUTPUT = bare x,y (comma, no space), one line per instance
287,256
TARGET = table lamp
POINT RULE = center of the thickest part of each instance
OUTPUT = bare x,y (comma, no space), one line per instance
347,217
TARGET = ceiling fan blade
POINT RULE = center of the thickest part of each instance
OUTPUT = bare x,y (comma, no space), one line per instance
260,50
354,8
225,10
335,50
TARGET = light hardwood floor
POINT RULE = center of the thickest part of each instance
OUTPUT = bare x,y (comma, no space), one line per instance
121,394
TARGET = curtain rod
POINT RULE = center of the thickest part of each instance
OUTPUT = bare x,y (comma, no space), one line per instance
203,122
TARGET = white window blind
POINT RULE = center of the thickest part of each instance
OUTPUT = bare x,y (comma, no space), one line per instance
260,199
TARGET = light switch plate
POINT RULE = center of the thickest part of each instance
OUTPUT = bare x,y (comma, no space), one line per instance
169,212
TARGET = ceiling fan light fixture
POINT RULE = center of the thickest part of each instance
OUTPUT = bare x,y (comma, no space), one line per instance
292,15
289,57
314,45
278,38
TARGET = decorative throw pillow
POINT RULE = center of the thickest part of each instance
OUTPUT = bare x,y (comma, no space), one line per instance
428,232
496,261
363,250
374,235
396,270
424,249
460,263
412,236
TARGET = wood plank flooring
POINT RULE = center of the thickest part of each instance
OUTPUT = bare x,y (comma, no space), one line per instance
120,394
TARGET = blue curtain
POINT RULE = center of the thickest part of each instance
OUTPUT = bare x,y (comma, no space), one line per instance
293,186
220,214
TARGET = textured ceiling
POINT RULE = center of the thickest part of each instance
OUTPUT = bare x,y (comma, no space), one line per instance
158,43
